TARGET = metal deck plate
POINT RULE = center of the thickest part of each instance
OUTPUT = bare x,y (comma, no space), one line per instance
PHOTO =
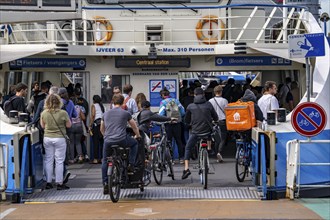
150,193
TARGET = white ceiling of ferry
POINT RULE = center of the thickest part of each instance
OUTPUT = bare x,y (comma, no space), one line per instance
279,52
13,52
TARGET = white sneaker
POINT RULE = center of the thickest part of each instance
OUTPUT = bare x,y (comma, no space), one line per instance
220,159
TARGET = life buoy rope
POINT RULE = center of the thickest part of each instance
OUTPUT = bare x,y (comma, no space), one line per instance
108,27
209,19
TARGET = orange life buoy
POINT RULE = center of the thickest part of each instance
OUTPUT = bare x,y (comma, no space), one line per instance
108,27
209,19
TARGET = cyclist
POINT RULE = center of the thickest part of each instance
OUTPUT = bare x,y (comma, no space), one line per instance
198,124
113,129
146,116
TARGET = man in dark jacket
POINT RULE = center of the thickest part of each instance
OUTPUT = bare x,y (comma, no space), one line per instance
199,115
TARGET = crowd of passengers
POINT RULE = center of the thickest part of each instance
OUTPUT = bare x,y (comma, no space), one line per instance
61,114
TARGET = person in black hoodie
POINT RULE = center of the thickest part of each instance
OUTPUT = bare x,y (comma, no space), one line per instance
249,96
198,123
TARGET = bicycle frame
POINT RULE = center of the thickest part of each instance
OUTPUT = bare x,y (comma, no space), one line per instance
203,161
161,157
243,157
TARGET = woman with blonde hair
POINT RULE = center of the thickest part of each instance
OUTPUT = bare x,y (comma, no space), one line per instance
54,121
140,97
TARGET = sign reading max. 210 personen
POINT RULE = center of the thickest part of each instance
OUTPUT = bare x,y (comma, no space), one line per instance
306,45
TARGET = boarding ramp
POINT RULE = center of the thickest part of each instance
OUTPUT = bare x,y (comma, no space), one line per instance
85,182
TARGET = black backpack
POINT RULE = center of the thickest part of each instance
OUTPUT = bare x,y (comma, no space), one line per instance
38,99
8,106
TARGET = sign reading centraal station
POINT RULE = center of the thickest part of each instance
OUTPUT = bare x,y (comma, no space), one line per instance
145,62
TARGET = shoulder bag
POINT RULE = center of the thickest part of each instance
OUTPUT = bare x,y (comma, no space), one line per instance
67,139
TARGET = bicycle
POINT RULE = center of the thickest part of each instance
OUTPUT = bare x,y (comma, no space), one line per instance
118,176
203,158
243,156
161,156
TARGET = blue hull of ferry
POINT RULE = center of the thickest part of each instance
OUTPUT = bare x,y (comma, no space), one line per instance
310,153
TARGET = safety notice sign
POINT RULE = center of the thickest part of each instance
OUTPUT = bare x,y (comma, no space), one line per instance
155,86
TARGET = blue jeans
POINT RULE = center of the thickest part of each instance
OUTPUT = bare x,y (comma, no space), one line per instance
193,138
129,142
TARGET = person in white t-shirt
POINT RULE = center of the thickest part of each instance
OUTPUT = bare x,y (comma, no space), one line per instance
268,101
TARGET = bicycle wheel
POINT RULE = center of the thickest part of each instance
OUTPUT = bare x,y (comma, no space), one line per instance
157,168
114,177
241,167
168,159
205,168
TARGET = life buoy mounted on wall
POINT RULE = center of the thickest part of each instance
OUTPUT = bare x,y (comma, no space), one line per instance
210,19
108,27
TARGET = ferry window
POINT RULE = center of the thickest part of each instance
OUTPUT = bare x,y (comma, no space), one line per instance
149,2
108,82
20,2
56,2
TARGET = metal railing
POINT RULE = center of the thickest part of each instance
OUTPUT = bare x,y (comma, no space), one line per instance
177,29
4,154
294,167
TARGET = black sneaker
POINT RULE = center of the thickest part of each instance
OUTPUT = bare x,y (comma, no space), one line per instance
130,169
66,177
105,189
49,186
185,174
62,187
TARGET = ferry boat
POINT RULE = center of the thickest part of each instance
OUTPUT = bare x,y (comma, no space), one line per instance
149,44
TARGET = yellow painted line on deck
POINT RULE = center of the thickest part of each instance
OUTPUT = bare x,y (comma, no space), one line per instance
37,203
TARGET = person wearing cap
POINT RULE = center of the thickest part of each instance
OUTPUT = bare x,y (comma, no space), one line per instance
146,116
196,115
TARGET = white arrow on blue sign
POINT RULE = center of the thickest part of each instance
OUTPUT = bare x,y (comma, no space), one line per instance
306,45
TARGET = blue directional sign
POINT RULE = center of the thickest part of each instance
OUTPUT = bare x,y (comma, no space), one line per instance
251,61
306,45
77,63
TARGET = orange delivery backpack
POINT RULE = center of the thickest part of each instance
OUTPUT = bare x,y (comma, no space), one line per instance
240,116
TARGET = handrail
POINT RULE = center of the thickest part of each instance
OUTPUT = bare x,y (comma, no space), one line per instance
191,7
3,168
269,31
293,167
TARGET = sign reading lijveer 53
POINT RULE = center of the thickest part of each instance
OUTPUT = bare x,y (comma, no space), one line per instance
309,119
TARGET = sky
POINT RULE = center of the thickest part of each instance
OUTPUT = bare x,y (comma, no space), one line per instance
325,7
